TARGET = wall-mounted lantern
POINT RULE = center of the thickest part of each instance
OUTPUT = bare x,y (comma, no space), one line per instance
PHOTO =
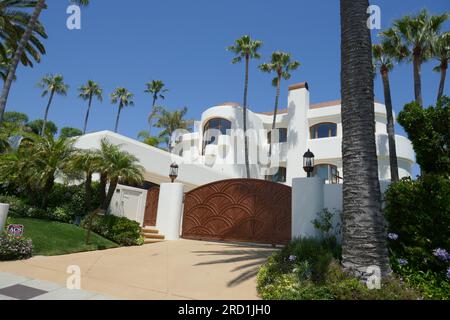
173,173
308,162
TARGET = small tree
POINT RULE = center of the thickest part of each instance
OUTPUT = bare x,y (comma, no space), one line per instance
429,131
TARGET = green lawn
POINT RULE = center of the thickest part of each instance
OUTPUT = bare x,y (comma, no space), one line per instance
52,238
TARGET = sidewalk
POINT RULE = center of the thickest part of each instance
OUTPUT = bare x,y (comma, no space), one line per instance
13,287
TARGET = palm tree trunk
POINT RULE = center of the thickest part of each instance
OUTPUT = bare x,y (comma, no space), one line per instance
442,82
47,189
275,112
247,165
150,118
88,191
363,225
50,99
109,195
390,127
17,55
102,188
117,119
417,65
87,114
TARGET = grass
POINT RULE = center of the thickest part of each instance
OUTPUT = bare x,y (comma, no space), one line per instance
51,238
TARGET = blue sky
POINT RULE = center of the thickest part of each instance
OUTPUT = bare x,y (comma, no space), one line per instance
183,43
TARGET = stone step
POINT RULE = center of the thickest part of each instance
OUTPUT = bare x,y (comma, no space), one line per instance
153,236
149,241
149,230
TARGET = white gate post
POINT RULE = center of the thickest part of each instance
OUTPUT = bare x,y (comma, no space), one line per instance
4,208
170,210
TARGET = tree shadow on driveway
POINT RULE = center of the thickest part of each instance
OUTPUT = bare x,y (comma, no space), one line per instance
248,260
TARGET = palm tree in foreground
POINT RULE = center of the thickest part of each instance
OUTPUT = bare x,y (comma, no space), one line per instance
23,44
52,84
118,166
441,52
156,90
124,98
363,226
281,64
245,48
87,92
417,34
384,62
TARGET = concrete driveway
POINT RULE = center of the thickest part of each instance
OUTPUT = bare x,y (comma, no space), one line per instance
181,269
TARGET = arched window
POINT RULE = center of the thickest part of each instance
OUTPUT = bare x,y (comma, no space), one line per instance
323,130
328,172
210,130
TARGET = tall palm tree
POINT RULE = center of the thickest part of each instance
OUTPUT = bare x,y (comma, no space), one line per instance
363,242
170,121
124,98
441,52
26,36
52,84
119,166
417,33
87,92
156,90
383,60
245,48
282,65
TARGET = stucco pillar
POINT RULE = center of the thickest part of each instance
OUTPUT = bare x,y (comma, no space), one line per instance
4,208
170,210
307,202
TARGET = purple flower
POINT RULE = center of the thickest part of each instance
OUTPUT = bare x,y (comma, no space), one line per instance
292,258
441,254
402,262
392,236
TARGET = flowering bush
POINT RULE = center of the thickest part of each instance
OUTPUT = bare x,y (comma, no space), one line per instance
15,248
418,215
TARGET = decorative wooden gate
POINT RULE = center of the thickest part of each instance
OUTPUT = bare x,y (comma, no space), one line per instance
151,206
244,210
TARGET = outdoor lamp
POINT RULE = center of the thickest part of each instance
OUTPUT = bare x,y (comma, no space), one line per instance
173,174
308,162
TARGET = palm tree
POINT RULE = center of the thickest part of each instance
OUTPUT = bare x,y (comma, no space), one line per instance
156,89
124,98
119,166
417,33
245,48
383,60
281,64
170,121
441,52
88,162
52,84
363,225
87,92
15,17
148,139
32,26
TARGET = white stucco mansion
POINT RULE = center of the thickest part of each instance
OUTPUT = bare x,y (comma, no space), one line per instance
213,154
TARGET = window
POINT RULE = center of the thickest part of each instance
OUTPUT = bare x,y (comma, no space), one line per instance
280,176
328,172
210,130
323,130
282,135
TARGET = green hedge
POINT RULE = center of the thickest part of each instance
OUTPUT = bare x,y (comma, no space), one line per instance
118,229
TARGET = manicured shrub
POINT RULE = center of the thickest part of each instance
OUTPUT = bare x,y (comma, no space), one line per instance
118,229
14,248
